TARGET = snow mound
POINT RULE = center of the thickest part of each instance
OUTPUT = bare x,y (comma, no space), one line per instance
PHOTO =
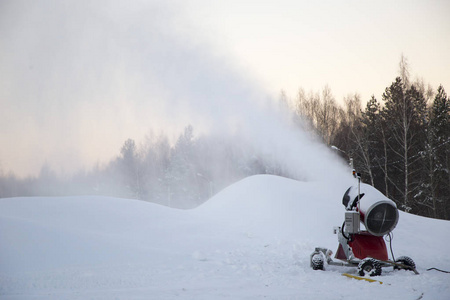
250,241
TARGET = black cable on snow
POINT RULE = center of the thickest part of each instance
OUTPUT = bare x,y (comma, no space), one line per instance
438,270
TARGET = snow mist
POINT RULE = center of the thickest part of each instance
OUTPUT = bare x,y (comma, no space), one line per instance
83,76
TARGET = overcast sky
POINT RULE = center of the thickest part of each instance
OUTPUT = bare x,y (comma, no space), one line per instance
77,78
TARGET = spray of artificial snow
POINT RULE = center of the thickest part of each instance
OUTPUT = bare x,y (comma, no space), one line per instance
88,76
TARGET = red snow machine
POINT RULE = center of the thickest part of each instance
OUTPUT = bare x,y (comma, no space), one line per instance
364,249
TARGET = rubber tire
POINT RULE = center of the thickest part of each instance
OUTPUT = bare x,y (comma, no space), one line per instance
317,262
369,266
407,261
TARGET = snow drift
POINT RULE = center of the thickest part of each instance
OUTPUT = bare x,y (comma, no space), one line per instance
250,241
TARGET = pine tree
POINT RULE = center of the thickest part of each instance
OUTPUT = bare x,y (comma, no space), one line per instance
417,146
440,153
403,114
155,160
130,170
182,176
366,137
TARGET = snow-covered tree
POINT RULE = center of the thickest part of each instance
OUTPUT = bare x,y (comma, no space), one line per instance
181,176
129,166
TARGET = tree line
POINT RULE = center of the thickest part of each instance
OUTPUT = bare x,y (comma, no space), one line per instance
183,174
400,145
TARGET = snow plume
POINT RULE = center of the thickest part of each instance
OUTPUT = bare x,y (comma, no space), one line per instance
81,77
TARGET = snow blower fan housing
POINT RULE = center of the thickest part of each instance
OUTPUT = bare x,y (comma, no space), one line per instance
364,249
378,213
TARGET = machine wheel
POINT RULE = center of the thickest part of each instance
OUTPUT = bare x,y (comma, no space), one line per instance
407,262
317,261
369,266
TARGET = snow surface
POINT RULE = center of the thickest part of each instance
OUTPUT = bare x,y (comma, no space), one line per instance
251,241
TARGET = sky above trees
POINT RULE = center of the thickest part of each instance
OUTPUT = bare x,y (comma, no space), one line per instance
353,46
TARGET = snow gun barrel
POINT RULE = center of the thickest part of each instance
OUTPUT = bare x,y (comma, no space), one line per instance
378,213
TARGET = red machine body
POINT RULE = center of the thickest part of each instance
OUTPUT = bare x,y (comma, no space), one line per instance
365,245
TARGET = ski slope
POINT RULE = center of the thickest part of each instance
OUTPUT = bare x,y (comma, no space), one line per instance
250,241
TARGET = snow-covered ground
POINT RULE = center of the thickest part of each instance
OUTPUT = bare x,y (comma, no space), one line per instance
250,241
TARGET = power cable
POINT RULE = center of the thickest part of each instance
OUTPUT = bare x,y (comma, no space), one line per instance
391,237
438,270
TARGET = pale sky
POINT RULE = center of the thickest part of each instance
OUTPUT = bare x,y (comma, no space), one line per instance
77,78
353,46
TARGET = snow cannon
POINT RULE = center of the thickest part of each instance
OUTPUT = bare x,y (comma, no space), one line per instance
365,249
378,213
